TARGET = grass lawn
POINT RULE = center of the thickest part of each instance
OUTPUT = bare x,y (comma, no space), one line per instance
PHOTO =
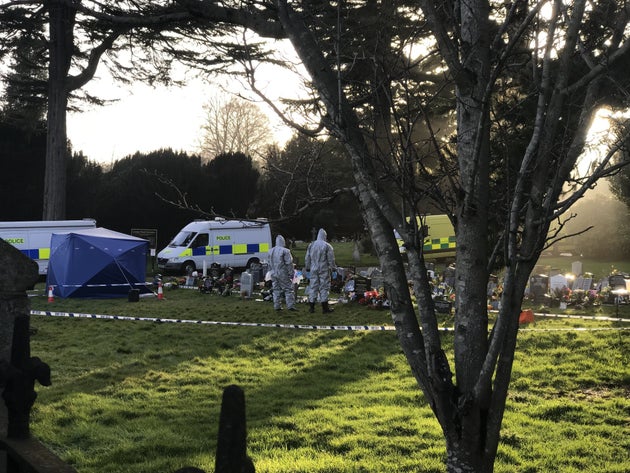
138,396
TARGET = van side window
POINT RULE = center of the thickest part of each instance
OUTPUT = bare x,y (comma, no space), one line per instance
200,240
182,239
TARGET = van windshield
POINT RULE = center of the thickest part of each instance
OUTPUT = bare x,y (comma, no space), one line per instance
182,239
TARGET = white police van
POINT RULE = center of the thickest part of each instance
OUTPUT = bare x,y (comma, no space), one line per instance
33,237
234,243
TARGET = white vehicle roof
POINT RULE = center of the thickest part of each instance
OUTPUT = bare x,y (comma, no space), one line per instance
199,225
49,223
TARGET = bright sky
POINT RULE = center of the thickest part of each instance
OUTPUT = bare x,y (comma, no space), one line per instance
146,119
599,140
143,119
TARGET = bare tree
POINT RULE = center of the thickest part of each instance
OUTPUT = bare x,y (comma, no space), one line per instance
234,126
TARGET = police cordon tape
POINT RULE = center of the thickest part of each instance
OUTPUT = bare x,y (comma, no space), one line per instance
536,314
583,317
48,313
372,328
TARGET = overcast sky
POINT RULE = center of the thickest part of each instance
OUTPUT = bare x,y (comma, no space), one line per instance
143,119
147,119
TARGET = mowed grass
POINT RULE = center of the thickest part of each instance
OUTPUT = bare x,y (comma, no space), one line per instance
138,396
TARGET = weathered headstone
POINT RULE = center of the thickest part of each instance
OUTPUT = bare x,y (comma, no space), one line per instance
538,287
587,284
17,274
582,284
557,281
617,282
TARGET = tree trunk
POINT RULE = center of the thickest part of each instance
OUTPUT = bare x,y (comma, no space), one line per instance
459,415
459,460
470,411
61,24
56,150
466,440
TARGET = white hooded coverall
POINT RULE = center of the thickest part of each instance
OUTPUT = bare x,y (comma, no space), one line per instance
281,268
319,261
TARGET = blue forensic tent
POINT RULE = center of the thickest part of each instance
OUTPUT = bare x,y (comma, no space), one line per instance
97,263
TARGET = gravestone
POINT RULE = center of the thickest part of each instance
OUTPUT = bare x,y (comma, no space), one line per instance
617,282
582,284
247,285
538,286
17,274
377,280
557,281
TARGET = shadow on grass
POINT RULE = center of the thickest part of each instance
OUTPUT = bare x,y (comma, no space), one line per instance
164,381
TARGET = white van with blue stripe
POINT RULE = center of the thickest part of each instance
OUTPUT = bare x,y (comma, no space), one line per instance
33,237
234,243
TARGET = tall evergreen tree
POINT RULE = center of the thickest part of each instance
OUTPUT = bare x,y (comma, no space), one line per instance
22,158
62,50
136,191
233,184
25,80
80,35
84,181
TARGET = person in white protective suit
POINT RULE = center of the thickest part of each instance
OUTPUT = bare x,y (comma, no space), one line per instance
281,269
319,262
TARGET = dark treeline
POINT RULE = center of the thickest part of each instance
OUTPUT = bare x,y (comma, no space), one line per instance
140,191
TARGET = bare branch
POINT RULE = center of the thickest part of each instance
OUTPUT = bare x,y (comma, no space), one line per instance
181,201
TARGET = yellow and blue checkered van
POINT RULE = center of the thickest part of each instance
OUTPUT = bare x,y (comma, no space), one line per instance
33,237
235,243
439,241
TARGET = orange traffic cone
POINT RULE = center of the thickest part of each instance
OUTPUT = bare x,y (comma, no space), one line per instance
160,293
51,298
526,317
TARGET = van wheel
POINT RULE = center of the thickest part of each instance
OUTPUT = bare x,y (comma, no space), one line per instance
188,267
252,261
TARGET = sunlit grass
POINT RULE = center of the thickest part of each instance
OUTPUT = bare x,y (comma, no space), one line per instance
134,396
